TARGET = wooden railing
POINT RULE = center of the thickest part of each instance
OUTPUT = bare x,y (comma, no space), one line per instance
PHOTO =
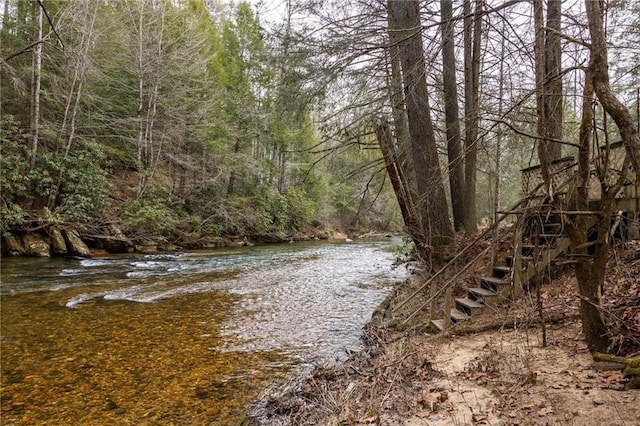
610,158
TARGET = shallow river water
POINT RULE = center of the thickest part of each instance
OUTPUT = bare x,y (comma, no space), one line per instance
179,338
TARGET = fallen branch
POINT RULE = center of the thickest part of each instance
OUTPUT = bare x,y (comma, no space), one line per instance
508,323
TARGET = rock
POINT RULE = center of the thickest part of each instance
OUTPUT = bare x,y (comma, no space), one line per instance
58,245
110,405
115,244
75,245
35,245
12,246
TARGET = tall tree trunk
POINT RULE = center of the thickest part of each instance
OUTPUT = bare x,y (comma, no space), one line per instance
399,112
616,109
231,186
589,270
397,155
472,38
36,67
538,19
498,160
553,101
400,187
404,17
454,150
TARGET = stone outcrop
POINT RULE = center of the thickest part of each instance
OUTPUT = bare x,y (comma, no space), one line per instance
113,240
35,245
75,245
12,246
58,244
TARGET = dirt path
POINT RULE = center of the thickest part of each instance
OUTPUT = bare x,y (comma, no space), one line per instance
492,378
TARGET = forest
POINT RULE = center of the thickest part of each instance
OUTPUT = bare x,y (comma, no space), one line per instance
190,120
178,121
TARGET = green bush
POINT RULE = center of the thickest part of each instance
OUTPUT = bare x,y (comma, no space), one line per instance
156,213
14,166
282,214
58,188
405,252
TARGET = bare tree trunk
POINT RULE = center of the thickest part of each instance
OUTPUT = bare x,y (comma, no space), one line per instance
399,112
400,187
454,150
233,174
150,39
538,18
589,268
472,38
498,160
404,18
35,84
81,66
616,109
553,102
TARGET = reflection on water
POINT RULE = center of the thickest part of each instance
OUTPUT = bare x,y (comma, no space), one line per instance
181,338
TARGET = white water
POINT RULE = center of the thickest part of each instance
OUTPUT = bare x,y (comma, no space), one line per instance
309,301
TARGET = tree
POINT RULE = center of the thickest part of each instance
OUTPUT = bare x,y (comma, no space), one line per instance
454,150
616,109
591,263
549,99
553,99
472,54
36,68
404,18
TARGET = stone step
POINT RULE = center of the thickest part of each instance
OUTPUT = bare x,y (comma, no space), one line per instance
494,284
483,295
501,271
457,315
438,324
468,306
525,259
547,239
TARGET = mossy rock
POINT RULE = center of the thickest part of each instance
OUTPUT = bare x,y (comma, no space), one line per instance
633,371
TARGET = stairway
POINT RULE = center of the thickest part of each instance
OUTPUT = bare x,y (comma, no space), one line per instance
534,254
538,239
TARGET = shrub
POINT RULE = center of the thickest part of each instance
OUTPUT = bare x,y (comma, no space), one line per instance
155,213
14,167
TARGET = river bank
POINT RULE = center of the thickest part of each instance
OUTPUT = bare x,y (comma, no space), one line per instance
72,241
408,375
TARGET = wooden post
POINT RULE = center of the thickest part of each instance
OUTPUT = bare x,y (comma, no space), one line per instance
516,267
447,309
432,305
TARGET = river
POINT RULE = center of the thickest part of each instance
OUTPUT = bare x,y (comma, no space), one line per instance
179,338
